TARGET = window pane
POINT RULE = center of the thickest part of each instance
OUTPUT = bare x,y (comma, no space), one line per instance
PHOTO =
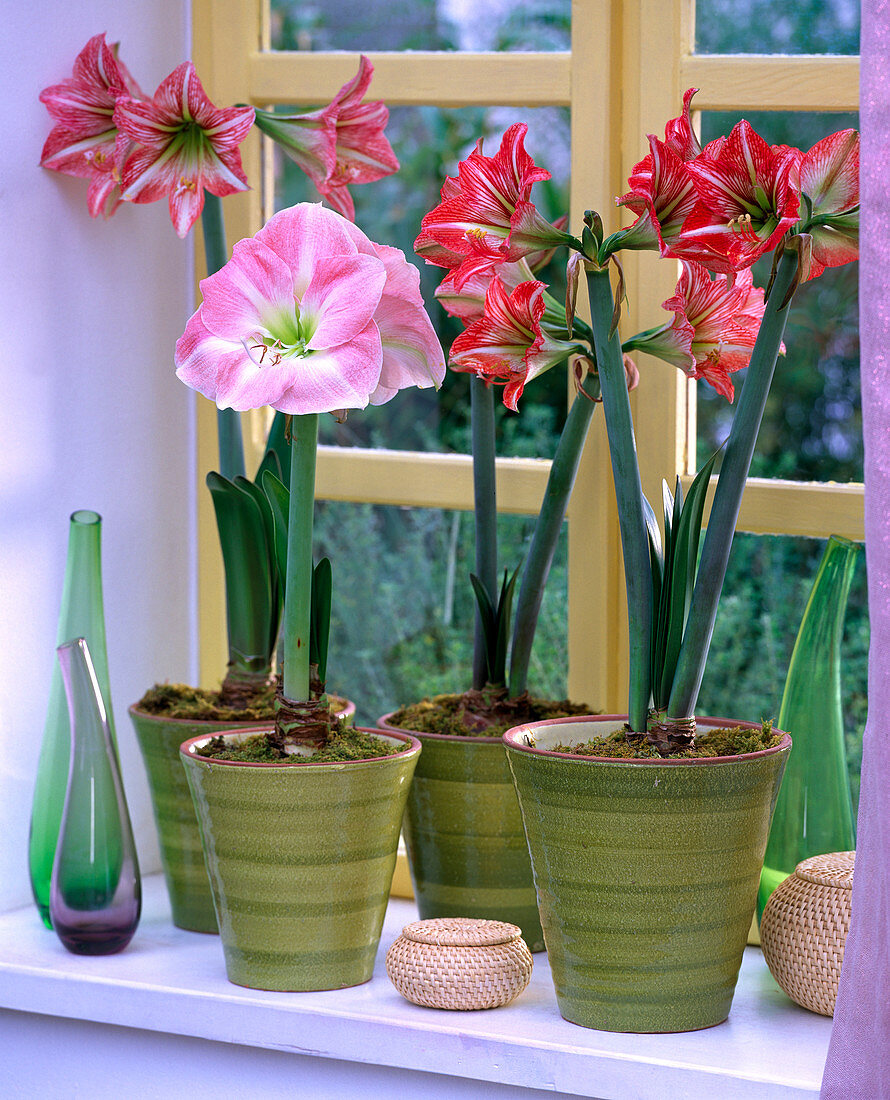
402,623
777,26
812,428
421,25
767,587
429,142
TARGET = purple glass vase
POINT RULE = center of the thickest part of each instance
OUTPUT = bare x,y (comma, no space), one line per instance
95,892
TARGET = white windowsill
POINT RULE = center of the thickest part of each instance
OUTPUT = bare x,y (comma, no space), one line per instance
172,983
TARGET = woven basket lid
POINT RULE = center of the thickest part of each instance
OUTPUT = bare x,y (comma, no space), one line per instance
461,932
832,869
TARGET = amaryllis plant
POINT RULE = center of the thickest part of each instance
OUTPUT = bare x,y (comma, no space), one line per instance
180,146
717,210
488,234
308,317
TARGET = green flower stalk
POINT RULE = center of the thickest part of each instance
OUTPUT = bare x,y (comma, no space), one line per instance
228,422
737,457
485,512
628,491
561,481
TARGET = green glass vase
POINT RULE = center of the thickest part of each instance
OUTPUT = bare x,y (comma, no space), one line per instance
81,616
814,812
95,893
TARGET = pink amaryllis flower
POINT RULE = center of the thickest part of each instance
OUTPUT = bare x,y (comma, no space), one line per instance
85,141
309,316
184,146
339,145
486,217
507,345
748,197
715,326
829,183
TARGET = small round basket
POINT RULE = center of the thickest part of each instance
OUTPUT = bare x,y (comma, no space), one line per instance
804,927
459,963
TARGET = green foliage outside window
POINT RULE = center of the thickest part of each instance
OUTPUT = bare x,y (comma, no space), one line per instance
416,640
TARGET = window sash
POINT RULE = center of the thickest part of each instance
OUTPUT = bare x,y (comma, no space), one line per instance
624,76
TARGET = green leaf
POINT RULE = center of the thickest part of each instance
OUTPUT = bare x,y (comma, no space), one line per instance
504,613
276,457
320,616
684,561
496,624
251,605
279,502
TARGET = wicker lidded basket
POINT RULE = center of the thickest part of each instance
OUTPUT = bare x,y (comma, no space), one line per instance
804,927
459,963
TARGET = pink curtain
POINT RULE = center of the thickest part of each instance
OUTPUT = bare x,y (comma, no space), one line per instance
858,1066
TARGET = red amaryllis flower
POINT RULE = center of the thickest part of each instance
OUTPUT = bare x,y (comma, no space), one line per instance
507,345
467,301
86,142
340,144
362,152
829,182
184,145
662,192
715,326
486,217
748,197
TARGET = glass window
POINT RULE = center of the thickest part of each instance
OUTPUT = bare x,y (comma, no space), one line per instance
411,633
429,142
768,583
420,25
812,428
777,26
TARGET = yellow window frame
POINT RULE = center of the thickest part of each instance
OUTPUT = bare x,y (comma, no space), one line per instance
622,79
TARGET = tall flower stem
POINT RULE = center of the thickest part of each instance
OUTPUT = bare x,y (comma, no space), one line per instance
228,422
548,525
628,492
298,585
737,457
485,510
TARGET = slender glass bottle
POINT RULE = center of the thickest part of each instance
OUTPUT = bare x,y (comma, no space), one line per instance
95,892
81,616
814,812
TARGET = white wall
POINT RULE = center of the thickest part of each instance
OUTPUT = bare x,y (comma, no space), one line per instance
91,415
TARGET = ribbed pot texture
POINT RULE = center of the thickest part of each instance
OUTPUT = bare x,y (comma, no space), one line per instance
182,857
463,831
646,873
300,859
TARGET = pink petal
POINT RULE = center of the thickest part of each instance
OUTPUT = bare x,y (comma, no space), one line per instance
412,354
402,277
254,285
306,236
341,299
219,368
339,378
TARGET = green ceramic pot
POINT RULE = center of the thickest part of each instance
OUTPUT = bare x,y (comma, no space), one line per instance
182,857
463,831
300,859
646,872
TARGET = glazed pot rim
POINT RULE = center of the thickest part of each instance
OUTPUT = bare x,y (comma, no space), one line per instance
186,749
233,723
511,741
463,738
